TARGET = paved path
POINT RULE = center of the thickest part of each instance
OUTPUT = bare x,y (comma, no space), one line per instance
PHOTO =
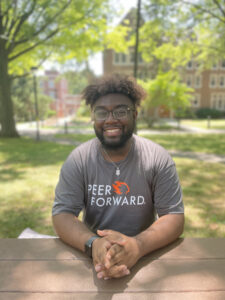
48,135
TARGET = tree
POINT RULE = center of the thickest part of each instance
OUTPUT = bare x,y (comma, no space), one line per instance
165,90
23,100
31,30
198,27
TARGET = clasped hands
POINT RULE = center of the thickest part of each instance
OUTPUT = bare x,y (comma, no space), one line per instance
114,254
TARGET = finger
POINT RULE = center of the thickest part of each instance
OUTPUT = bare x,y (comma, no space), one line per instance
116,271
112,256
105,232
99,268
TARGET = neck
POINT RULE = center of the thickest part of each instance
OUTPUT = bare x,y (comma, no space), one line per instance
119,153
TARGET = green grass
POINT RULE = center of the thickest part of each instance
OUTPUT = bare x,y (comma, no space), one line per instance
214,124
75,137
29,172
207,143
203,193
28,175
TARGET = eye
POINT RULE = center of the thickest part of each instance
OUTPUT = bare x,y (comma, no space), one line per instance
100,114
120,112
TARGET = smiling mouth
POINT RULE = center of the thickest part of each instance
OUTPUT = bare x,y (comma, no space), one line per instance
112,131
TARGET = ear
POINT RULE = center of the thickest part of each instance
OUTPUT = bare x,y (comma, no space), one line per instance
135,114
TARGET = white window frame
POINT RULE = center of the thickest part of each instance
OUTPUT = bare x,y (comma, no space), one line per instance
191,80
223,80
51,83
222,67
215,66
196,97
198,86
217,98
210,81
192,65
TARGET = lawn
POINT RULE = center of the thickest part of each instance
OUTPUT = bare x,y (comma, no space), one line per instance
29,172
214,124
206,143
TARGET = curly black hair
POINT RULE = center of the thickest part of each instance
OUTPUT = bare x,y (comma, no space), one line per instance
114,84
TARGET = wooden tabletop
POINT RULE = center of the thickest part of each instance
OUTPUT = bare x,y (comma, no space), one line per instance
48,269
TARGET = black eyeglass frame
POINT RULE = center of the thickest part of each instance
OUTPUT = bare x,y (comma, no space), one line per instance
127,108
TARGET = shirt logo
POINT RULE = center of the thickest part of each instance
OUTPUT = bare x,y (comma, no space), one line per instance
121,188
101,195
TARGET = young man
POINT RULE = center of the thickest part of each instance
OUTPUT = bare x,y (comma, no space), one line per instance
120,181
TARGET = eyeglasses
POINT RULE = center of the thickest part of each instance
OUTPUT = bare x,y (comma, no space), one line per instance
119,113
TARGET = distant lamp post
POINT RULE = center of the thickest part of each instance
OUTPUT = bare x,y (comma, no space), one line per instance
33,69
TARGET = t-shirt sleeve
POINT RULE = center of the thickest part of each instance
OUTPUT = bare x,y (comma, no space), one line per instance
69,192
167,194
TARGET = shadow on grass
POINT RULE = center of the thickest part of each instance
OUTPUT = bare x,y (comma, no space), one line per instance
8,174
208,143
24,151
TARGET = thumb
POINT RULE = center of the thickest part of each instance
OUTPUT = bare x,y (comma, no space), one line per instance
104,232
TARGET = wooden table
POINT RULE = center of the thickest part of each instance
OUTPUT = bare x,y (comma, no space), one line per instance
49,269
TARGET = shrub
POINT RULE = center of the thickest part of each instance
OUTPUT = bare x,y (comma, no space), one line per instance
203,113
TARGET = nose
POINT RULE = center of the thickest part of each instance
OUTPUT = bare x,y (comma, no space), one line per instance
110,118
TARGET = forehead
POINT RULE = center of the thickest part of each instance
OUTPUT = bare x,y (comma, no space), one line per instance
112,100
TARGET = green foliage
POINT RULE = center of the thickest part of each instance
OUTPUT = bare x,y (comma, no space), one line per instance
77,81
23,99
203,113
165,90
83,110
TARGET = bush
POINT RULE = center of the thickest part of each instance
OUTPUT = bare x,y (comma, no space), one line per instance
203,113
188,113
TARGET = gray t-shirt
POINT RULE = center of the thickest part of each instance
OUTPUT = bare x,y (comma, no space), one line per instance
147,185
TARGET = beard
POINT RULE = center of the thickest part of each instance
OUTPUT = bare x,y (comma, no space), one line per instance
113,145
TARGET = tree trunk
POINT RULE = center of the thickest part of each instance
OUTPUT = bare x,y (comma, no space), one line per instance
8,128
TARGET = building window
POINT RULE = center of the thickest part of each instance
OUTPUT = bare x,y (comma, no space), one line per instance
51,83
123,58
120,58
198,81
215,66
52,94
212,82
221,81
196,100
223,64
190,65
132,57
116,57
218,101
189,81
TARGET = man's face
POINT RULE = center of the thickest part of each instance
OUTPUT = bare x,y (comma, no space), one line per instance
114,132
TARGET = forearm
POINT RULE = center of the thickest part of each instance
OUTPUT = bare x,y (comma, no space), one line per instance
162,232
71,230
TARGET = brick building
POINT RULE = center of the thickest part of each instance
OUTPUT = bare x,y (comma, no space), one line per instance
56,87
208,85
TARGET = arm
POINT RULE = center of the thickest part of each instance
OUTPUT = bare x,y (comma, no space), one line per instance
162,232
71,230
75,233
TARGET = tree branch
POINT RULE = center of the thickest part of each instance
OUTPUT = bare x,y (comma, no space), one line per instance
220,7
14,44
23,18
209,12
38,66
34,46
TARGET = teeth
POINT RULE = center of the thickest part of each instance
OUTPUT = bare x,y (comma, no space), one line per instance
112,130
